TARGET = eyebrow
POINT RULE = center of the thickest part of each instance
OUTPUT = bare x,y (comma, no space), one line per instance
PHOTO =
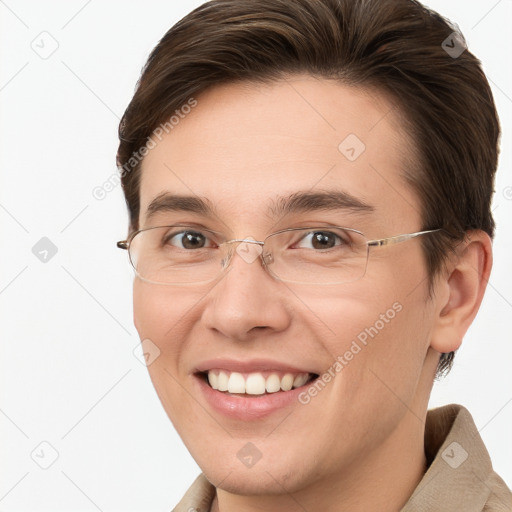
298,202
166,202
304,202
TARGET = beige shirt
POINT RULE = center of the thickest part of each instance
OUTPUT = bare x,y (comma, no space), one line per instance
459,478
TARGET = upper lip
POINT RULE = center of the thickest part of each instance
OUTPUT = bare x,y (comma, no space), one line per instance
251,365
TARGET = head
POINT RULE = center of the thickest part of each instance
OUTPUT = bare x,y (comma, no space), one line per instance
249,104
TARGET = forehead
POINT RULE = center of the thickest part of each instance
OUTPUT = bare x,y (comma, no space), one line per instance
244,146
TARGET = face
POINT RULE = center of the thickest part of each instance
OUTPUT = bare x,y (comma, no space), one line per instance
362,345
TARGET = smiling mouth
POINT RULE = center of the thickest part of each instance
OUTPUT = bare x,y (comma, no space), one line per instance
255,383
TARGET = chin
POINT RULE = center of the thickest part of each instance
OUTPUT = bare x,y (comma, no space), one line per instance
272,475
267,481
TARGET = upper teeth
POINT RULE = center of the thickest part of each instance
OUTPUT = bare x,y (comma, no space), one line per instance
255,383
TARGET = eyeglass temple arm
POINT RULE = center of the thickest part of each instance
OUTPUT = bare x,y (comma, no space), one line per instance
123,244
399,238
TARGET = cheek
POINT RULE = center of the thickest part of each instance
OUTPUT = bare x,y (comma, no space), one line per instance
161,312
149,310
381,344
380,336
396,346
163,315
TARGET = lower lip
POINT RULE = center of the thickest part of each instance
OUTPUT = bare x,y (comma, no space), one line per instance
249,408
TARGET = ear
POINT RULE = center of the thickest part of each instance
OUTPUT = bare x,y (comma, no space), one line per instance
459,292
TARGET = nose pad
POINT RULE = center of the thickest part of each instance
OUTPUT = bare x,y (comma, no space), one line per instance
267,258
225,261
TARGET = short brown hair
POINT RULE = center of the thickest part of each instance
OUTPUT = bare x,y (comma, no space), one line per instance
395,46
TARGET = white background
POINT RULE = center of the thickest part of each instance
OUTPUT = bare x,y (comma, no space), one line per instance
68,373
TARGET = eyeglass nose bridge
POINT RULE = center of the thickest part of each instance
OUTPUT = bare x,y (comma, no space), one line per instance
246,254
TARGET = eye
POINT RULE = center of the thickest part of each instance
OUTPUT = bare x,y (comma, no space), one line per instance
187,240
322,240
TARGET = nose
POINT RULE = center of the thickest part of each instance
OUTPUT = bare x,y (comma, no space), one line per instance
247,300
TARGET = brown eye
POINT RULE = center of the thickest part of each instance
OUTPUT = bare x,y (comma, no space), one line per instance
320,240
187,240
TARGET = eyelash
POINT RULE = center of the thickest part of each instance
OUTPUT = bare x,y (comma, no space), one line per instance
169,236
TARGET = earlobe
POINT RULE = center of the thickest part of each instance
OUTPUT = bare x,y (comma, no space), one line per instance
461,291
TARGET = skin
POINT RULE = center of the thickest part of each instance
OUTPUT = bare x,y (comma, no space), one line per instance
242,145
